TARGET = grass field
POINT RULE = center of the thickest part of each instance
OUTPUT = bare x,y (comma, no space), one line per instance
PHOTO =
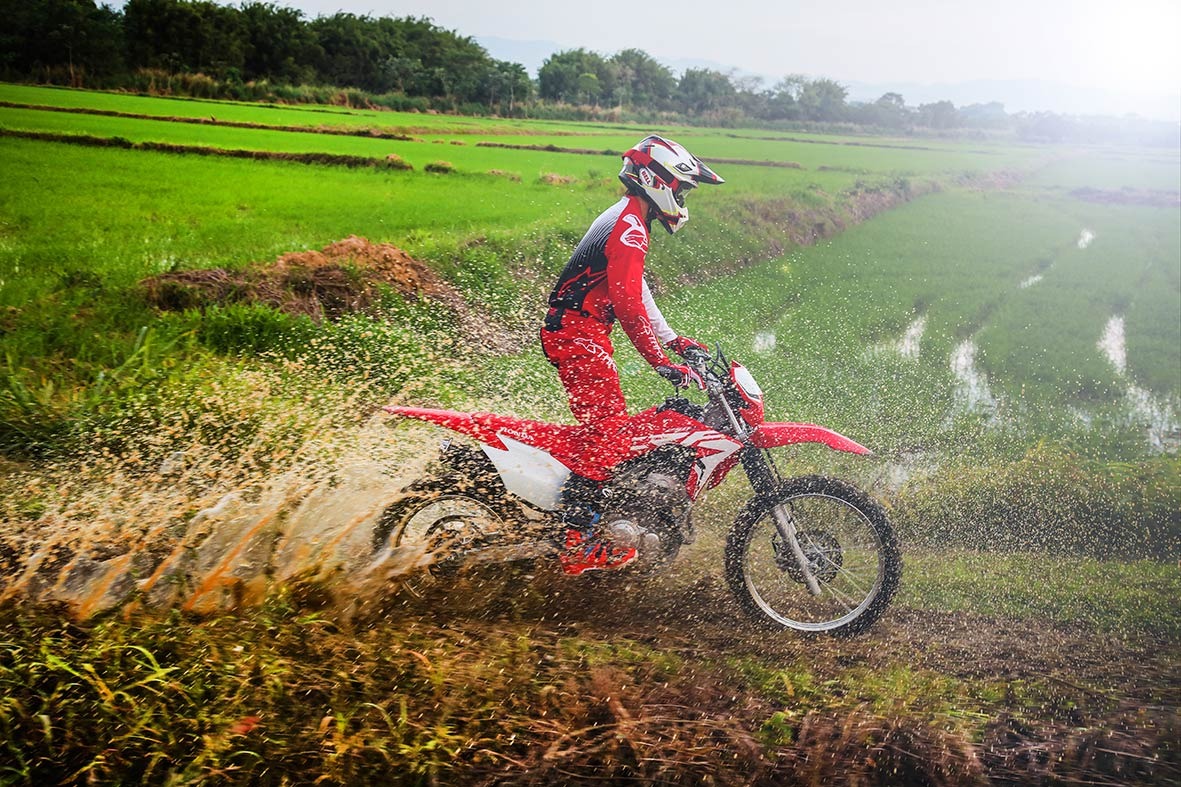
1005,291
298,114
1004,303
1001,323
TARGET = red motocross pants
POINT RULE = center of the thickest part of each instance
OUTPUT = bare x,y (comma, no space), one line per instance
581,350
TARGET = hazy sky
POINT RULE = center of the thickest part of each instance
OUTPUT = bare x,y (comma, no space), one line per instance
1114,45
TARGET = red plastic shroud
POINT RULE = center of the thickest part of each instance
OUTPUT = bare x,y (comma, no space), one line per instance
773,435
587,452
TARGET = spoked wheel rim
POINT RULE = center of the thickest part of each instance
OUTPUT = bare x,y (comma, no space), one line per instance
445,522
845,553
419,536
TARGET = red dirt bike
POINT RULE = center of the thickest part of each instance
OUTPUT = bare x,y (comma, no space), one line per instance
811,553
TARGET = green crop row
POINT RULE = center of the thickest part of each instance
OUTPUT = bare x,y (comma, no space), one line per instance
466,155
71,263
295,114
845,154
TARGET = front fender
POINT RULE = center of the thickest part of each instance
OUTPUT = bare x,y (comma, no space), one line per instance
773,435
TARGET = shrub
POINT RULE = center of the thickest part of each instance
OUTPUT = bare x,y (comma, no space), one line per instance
251,328
441,167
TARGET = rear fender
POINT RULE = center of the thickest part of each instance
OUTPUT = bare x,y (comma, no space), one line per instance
470,424
773,435
526,469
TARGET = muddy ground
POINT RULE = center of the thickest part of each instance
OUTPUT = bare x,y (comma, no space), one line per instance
514,674
925,697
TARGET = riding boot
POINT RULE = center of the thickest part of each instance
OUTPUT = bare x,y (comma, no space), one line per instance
581,502
584,547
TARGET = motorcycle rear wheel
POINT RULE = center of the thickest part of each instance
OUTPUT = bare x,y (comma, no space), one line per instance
849,545
440,514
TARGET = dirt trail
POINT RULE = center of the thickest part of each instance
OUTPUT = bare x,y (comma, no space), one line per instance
1084,705
922,698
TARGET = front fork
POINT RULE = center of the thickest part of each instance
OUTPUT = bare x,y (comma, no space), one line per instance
763,479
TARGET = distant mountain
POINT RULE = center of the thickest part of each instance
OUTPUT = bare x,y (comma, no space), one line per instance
1017,95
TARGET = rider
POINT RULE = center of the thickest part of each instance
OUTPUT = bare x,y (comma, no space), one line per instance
604,282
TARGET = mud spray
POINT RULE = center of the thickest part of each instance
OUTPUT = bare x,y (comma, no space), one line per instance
206,533
255,475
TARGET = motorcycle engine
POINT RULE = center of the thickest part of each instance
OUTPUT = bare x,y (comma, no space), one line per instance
648,509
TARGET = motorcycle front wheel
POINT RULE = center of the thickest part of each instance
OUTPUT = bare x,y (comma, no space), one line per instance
848,546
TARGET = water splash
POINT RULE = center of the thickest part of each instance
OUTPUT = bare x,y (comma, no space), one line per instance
907,465
1156,414
972,393
764,342
120,538
1085,237
1113,344
908,345
1032,280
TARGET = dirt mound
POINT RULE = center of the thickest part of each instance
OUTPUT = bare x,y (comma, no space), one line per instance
362,264
344,277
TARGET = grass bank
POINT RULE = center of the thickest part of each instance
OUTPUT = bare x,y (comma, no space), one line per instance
529,686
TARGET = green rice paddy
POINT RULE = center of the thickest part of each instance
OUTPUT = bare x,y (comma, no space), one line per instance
1009,270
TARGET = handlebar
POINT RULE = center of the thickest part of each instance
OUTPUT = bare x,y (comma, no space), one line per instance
709,366
697,358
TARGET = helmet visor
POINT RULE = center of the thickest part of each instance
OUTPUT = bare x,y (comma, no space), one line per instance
707,175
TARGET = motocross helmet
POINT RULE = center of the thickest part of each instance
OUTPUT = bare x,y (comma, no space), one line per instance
662,172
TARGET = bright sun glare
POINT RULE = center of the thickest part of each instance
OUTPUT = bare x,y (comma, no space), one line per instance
1132,46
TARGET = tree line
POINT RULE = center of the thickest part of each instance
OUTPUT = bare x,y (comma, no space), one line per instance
84,44
633,78
263,51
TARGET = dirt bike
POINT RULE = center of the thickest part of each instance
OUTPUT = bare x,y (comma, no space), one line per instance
812,553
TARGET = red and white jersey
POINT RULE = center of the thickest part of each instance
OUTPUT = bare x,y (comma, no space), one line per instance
604,279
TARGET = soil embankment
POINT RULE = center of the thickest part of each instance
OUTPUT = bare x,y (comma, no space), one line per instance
348,276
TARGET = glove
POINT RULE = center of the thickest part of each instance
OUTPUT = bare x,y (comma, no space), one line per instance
680,375
681,344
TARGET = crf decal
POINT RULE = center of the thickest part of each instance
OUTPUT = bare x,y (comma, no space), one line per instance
657,440
707,438
635,235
